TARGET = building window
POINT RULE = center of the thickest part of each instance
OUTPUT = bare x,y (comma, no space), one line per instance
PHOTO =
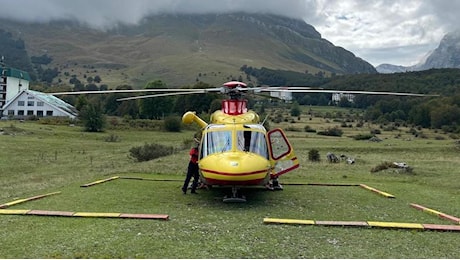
11,112
40,113
30,103
29,97
30,112
49,113
21,103
20,112
40,103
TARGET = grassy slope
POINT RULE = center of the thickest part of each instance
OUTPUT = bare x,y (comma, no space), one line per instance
41,158
174,52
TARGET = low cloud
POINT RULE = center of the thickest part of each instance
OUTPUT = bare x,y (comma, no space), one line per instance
106,13
379,31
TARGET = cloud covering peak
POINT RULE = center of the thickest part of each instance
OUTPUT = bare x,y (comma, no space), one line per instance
106,13
380,31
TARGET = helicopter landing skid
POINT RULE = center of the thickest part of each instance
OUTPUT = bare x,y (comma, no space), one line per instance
235,197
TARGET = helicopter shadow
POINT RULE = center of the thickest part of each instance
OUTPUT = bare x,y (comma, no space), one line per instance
248,197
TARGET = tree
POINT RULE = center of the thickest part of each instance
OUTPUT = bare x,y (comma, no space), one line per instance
155,108
216,104
201,103
445,115
92,117
420,115
81,102
97,79
295,110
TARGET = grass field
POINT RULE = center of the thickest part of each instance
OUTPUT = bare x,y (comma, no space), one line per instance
37,159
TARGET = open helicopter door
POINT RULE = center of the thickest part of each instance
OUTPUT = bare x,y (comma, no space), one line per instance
282,155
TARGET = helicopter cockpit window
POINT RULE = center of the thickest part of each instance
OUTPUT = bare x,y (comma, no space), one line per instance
252,141
216,142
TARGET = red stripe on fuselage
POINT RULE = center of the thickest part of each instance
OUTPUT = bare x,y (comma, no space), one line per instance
211,181
234,174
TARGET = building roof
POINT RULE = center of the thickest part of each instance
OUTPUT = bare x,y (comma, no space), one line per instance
54,101
50,100
15,73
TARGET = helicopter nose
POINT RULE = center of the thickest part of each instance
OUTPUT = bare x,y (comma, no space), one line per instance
234,167
245,161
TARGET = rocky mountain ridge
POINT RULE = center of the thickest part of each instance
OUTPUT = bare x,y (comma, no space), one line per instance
446,55
183,49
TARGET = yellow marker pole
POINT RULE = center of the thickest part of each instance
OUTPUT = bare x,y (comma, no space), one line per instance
288,221
388,195
13,211
99,181
9,204
395,225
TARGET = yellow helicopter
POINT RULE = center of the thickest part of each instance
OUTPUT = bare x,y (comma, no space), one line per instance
235,149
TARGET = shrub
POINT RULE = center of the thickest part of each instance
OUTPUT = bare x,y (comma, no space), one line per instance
56,120
313,155
112,138
363,136
334,131
375,131
172,124
149,152
309,129
387,165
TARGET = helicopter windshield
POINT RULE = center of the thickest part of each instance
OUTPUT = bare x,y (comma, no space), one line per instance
252,141
216,142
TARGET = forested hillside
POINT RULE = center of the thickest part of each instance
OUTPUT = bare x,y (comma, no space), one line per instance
14,53
437,112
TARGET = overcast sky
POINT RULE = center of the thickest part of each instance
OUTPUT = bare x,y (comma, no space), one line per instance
398,32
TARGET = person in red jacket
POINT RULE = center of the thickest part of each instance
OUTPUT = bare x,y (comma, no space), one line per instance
192,170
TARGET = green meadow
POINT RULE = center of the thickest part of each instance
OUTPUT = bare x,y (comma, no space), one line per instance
37,159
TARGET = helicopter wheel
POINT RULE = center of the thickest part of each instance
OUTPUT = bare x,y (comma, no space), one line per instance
235,197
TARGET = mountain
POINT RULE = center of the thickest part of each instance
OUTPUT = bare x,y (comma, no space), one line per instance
390,68
446,55
183,49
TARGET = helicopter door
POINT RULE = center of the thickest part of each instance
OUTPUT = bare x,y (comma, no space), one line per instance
282,155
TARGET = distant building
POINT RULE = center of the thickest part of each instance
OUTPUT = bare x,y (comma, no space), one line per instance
34,103
17,101
336,97
284,95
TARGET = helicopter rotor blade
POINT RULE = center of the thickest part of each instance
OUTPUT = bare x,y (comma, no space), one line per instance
131,91
162,95
309,90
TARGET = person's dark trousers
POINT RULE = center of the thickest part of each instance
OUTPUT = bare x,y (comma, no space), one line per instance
192,171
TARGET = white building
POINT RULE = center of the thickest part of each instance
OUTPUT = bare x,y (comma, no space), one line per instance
17,101
34,103
284,95
336,97
12,81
